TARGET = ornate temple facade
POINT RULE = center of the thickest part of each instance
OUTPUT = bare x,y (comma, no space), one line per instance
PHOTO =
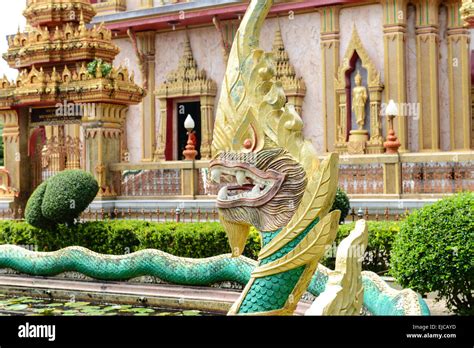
340,63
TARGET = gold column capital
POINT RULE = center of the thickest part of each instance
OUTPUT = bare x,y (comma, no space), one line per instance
427,13
147,40
329,20
394,12
455,18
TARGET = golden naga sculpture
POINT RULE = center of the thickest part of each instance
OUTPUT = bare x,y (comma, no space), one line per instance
344,291
271,177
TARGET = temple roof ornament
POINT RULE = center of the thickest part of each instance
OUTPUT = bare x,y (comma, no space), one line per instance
285,72
53,55
68,43
187,79
47,12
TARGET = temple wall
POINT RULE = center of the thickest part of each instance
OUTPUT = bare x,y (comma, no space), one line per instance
128,58
305,56
368,22
133,5
302,38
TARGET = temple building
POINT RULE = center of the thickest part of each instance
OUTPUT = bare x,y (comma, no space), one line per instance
340,62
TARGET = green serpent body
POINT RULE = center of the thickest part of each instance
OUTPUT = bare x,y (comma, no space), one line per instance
271,292
378,300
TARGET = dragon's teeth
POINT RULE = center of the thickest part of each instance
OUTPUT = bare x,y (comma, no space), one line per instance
256,190
240,175
222,195
216,175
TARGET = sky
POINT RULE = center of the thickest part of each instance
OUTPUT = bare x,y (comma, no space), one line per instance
10,18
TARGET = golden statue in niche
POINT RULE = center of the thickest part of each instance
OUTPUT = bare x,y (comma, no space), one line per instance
358,137
359,99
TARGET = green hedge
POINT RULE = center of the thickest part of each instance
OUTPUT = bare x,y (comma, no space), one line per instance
195,240
381,237
434,251
342,203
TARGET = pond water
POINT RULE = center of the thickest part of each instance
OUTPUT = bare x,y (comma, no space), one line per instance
29,306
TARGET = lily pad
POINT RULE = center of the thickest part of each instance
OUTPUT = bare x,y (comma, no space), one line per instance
91,309
77,304
112,308
55,304
17,307
191,313
44,311
142,310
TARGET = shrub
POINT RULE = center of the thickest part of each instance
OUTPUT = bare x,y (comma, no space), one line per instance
341,203
377,257
194,240
33,213
434,251
67,195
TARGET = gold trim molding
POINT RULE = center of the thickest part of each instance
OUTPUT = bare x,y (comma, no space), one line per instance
110,6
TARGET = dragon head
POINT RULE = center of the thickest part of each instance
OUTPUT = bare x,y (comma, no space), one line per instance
270,174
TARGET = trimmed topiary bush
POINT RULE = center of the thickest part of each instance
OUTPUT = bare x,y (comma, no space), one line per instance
33,213
434,251
61,198
341,203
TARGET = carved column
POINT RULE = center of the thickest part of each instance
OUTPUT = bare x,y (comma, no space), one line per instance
161,146
207,125
330,62
395,17
73,146
103,132
148,109
472,115
427,52
459,72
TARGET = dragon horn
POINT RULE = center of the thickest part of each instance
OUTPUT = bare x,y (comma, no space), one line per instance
238,109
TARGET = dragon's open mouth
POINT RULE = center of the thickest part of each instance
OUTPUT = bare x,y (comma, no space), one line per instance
243,184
